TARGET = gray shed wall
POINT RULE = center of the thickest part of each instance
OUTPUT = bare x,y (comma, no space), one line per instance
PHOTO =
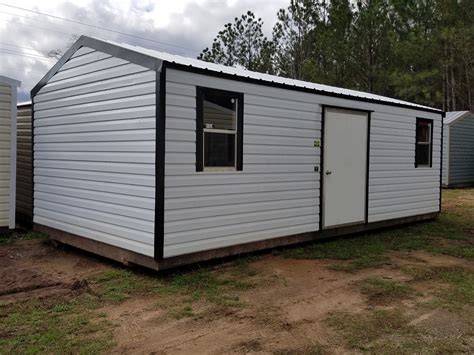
277,193
94,151
461,151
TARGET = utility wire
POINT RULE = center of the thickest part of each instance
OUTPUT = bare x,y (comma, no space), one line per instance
27,48
56,31
7,51
98,27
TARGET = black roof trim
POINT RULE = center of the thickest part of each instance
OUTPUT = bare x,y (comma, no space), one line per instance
173,65
102,46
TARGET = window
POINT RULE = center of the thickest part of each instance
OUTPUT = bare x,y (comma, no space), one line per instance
219,130
424,142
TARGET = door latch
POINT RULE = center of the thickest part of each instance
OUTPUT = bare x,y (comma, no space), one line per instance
328,172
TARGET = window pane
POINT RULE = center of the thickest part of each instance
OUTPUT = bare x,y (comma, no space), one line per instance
220,111
219,149
423,132
422,154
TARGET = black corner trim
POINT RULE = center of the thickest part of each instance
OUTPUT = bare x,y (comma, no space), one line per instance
200,125
160,162
102,46
443,116
367,162
234,77
431,122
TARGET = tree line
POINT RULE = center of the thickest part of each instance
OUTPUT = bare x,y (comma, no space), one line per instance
415,50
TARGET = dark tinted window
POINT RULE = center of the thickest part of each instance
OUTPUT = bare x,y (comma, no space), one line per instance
424,132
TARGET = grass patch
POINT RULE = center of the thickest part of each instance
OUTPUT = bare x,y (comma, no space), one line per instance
379,289
450,234
461,292
362,331
34,327
13,237
390,332
77,325
460,281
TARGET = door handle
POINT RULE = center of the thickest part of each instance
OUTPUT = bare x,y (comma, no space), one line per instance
328,172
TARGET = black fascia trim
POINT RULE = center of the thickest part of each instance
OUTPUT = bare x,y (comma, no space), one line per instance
188,68
321,173
443,116
431,122
200,91
160,135
105,47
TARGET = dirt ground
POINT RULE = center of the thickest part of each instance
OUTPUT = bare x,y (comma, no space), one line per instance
410,301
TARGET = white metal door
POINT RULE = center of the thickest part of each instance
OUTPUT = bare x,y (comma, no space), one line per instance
344,167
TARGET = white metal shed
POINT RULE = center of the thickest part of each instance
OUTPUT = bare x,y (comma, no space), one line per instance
458,145
160,160
8,99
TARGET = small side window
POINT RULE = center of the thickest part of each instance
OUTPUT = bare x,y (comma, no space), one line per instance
424,143
219,130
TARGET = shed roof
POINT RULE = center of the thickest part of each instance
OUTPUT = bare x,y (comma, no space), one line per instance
9,81
453,116
152,59
244,73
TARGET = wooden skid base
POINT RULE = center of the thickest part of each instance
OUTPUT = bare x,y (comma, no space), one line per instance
459,186
128,257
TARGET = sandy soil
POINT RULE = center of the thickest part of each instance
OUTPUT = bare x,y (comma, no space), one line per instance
283,314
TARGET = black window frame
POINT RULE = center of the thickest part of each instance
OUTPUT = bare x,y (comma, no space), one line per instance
200,92
431,123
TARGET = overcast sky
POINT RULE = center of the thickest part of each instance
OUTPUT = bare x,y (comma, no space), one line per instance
182,26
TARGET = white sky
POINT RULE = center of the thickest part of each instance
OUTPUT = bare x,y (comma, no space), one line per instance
26,37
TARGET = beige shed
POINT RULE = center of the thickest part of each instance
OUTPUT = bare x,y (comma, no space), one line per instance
8,102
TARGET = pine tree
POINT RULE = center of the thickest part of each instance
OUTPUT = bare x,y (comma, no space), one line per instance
242,43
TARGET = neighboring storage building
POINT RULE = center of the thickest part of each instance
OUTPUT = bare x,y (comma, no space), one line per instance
458,149
8,100
160,160
24,170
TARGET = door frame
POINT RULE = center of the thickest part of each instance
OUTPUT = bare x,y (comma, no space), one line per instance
321,164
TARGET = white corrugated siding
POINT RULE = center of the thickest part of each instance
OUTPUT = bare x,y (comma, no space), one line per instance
5,143
461,151
276,194
94,147
23,157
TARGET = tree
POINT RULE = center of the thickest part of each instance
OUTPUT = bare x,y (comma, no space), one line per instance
242,43
331,48
58,53
291,37
370,42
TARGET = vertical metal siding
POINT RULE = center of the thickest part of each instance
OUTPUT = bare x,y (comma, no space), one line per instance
5,143
94,151
277,192
23,167
461,151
